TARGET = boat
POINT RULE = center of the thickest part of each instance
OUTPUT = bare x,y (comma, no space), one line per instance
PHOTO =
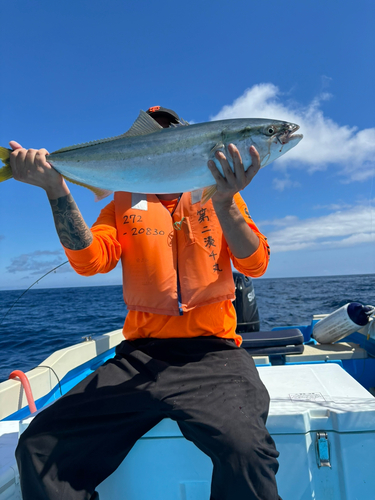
322,415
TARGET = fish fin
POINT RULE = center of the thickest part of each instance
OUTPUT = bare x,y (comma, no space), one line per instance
5,172
181,123
143,125
219,146
208,193
100,193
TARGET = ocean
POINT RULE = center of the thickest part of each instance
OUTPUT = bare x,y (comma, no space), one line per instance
45,320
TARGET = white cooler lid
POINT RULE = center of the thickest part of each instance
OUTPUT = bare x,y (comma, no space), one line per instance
315,397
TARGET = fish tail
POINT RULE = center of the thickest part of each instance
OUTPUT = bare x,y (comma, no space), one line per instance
5,172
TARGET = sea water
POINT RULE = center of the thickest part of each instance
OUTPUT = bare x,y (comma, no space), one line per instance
45,320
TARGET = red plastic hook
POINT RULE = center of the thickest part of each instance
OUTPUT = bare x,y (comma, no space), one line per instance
26,386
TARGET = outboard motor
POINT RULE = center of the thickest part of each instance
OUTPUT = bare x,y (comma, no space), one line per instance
245,304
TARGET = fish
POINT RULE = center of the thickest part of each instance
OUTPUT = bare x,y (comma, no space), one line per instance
151,159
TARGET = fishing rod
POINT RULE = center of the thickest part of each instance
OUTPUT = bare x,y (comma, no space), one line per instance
23,293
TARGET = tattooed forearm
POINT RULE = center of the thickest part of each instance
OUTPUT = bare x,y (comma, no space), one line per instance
70,226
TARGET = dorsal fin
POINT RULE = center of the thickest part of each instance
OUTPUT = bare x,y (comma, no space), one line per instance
181,123
143,125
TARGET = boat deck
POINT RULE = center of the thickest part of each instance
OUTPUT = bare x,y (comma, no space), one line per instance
321,407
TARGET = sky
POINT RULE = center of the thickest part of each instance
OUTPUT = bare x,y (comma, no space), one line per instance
79,71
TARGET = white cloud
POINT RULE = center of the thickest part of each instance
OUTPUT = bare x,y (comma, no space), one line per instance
325,142
352,240
285,221
332,206
38,262
342,228
286,182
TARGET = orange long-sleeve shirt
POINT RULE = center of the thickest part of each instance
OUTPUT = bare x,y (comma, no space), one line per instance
217,319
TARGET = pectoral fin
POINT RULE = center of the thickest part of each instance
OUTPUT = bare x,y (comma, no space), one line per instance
220,146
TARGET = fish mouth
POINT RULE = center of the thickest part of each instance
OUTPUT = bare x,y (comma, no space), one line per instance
289,133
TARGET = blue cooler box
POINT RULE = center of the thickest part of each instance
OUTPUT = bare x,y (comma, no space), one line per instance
323,423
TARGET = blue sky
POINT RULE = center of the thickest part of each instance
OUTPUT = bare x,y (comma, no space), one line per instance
79,71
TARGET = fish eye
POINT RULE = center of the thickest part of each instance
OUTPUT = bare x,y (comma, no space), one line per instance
270,130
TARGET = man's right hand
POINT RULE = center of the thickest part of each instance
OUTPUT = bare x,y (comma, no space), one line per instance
30,166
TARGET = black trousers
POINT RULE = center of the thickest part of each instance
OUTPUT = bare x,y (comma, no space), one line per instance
209,386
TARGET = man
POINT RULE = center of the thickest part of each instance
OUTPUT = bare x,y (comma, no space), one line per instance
181,358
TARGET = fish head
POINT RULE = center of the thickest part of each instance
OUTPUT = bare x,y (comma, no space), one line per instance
271,138
277,139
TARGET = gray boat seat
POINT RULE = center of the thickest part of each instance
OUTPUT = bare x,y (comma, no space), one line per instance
274,342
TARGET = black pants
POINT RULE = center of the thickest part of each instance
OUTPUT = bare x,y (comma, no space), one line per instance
208,385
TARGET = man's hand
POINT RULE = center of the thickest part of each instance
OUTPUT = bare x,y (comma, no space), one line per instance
241,239
30,166
232,181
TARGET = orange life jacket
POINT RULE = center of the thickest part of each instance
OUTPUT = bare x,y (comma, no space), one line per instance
171,263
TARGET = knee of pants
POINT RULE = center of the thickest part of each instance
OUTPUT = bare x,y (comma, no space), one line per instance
251,448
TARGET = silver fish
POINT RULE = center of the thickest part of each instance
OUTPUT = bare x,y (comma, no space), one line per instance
151,159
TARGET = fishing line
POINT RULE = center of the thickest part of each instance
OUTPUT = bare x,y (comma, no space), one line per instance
370,203
35,282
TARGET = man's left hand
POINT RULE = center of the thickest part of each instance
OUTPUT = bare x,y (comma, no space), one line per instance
232,181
